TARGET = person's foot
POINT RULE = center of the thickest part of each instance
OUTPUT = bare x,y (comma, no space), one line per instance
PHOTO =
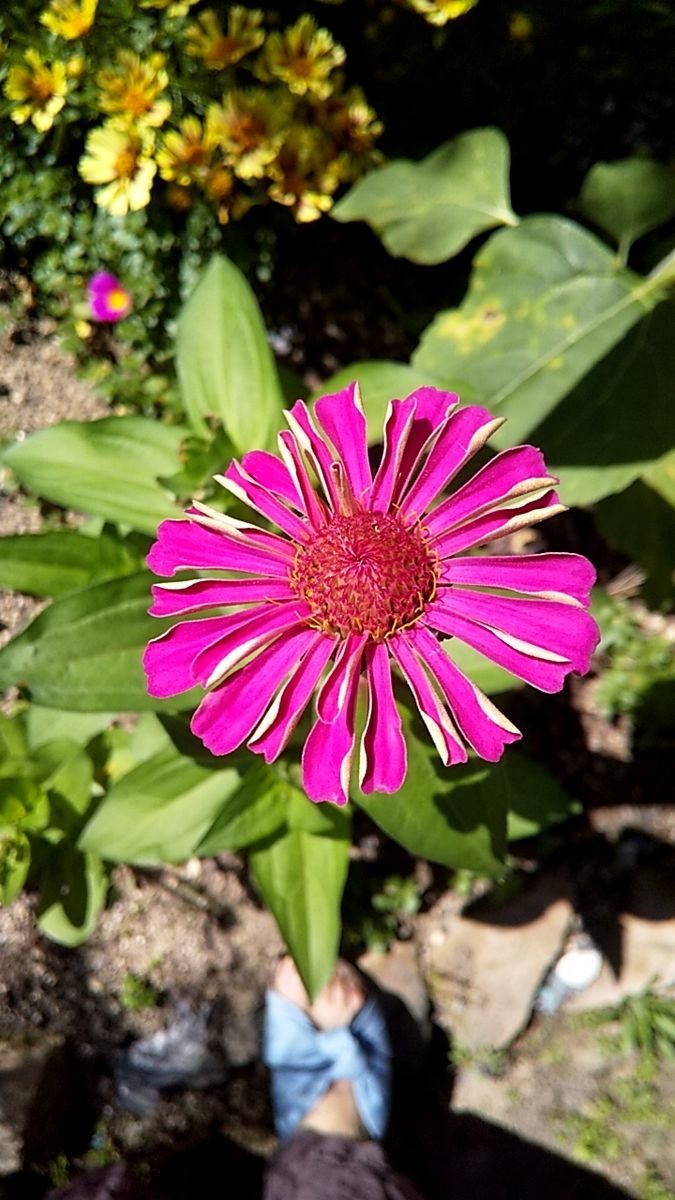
335,1007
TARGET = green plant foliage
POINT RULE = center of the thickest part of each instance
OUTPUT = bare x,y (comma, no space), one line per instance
72,894
137,994
464,817
545,303
301,874
642,524
45,794
84,652
452,817
225,366
619,419
50,564
162,810
428,211
109,467
628,198
635,661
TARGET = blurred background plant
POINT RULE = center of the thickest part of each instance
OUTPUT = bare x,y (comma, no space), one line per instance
177,119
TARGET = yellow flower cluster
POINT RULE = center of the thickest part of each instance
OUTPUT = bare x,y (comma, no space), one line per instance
285,129
439,12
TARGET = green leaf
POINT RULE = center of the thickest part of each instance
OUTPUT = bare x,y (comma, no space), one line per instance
380,382
640,523
427,211
109,468
661,477
255,811
486,674
73,892
534,797
161,811
84,652
67,772
545,303
14,863
301,877
455,816
225,366
50,564
628,198
620,418
12,738
48,724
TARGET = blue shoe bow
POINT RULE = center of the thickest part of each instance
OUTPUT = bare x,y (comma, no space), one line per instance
305,1061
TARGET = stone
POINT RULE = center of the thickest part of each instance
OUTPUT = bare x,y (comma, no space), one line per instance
484,966
397,971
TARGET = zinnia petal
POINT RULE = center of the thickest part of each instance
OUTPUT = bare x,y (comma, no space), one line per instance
432,711
342,418
555,576
327,756
228,714
383,748
274,731
482,725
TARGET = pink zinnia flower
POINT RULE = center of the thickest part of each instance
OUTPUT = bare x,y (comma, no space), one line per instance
109,300
367,573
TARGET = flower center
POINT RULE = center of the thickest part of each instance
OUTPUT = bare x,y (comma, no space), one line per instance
366,573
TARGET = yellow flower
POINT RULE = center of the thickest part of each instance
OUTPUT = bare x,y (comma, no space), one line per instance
184,152
302,178
247,126
76,66
439,12
68,19
121,158
207,40
179,198
173,8
132,87
43,89
350,121
303,57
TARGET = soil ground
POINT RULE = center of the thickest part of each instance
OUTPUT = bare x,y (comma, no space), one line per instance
558,1115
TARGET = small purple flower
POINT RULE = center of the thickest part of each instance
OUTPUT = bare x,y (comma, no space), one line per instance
109,300
367,580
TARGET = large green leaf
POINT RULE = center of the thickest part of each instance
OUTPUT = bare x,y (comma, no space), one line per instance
427,211
546,302
628,197
48,724
50,564
455,816
380,381
534,798
661,477
109,468
621,417
84,652
301,876
161,811
640,523
251,814
72,893
225,365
